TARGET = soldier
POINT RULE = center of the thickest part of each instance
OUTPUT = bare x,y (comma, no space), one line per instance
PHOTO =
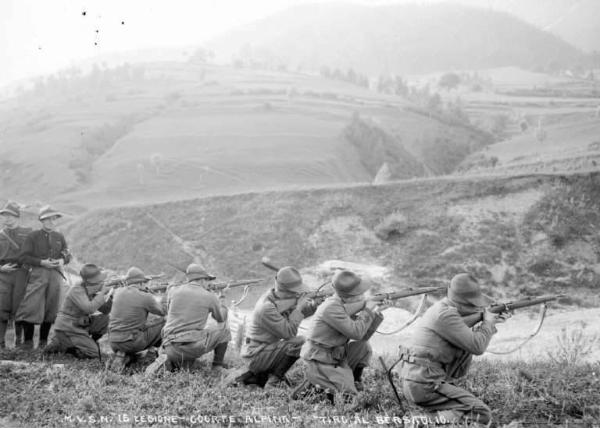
46,251
13,274
185,336
130,332
441,349
335,352
77,327
271,346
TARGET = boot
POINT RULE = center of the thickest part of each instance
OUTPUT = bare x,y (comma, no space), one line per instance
28,330
44,332
277,377
357,374
219,356
119,361
18,334
3,326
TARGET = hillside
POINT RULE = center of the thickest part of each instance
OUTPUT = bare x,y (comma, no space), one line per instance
531,234
397,38
166,131
576,22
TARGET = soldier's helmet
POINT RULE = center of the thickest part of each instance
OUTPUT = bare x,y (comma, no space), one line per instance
465,290
196,271
48,212
348,284
135,275
11,208
288,279
92,274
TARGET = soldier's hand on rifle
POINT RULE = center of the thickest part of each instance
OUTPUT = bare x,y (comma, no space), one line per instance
373,306
494,318
503,317
305,305
8,267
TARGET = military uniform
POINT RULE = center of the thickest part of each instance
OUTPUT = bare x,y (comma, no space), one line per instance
185,336
334,350
129,331
42,295
77,327
441,350
12,284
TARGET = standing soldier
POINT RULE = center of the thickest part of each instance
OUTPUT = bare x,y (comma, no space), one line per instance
271,346
129,330
441,349
78,327
185,336
46,251
335,352
13,274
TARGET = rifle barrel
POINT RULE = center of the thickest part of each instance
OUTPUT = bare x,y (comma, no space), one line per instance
379,297
473,319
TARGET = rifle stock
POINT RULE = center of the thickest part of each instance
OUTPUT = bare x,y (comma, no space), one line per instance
501,308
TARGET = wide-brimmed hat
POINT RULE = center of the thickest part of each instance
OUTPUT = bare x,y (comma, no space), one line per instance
465,290
92,274
135,275
48,212
348,284
11,208
196,271
289,279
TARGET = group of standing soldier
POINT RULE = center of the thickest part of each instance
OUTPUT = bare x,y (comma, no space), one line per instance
335,349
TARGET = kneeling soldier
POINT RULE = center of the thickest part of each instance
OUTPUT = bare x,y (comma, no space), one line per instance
129,331
441,350
271,346
77,327
335,352
185,336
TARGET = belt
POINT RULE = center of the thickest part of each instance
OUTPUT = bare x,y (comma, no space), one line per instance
425,362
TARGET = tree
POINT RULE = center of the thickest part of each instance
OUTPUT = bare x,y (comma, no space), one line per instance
449,81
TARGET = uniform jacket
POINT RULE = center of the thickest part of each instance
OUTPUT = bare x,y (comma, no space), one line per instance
8,252
129,312
41,245
188,308
332,329
77,305
444,344
270,325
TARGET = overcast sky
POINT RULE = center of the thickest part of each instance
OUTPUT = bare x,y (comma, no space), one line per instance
41,36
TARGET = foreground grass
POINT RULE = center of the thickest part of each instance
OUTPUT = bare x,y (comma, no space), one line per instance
82,393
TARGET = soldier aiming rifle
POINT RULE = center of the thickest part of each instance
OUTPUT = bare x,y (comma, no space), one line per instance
443,344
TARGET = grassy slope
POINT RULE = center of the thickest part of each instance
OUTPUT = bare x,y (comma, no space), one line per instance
538,394
422,231
181,130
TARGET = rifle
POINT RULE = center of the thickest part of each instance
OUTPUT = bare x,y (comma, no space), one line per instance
501,308
221,286
509,307
388,298
123,282
407,292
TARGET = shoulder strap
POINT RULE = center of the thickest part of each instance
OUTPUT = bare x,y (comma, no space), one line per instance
13,243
